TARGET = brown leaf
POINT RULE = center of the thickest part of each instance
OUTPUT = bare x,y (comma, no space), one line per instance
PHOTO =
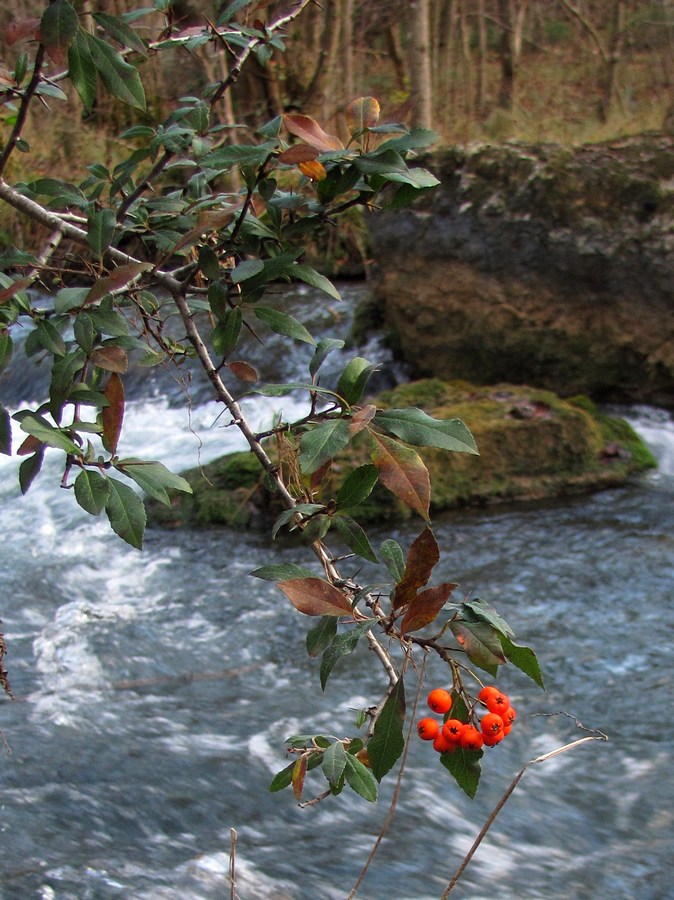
425,606
20,29
361,114
6,77
403,472
298,154
319,476
299,774
111,358
113,413
243,371
313,170
14,288
119,278
310,131
316,597
362,418
30,445
422,557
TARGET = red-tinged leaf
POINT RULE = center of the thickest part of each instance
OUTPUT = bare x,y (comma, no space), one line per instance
402,471
309,130
313,170
362,418
208,221
20,29
14,288
299,774
30,445
299,153
243,371
113,413
424,608
481,643
119,278
315,597
361,114
319,476
6,77
111,358
58,26
422,558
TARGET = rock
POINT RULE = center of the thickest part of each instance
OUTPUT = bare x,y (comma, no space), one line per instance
538,265
532,446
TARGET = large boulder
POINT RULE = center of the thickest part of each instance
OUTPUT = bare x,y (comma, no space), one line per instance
538,265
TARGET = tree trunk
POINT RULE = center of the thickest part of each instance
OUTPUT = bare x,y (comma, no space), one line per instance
421,90
613,56
506,93
481,74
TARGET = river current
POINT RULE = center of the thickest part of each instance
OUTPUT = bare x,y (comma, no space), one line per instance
154,692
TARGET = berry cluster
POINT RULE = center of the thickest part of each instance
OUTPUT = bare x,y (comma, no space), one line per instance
453,733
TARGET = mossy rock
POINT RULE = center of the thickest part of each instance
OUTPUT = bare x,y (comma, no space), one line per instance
533,446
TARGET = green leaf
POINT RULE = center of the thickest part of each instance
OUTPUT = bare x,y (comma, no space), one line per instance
283,779
480,642
360,779
323,348
287,515
121,79
464,766
524,658
84,331
108,322
487,613
62,192
315,279
225,335
334,763
92,491
5,432
120,32
354,537
280,390
54,437
58,26
50,338
417,139
418,428
154,478
353,379
284,324
29,469
387,742
69,298
321,635
246,269
357,486
6,350
282,572
224,158
322,443
126,513
392,554
100,231
342,645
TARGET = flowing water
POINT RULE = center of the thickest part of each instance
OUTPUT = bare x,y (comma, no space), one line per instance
154,691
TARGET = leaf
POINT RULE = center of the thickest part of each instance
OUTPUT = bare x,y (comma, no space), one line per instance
50,338
284,324
392,554
243,371
29,469
119,31
464,766
323,348
403,472
281,572
424,608
119,278
313,170
316,597
111,358
387,742
422,558
280,390
321,635
41,429
334,763
224,158
322,443
354,537
58,26
113,414
362,418
360,779
487,613
5,432
283,779
342,645
523,658
417,139
18,29
126,513
298,153
246,269
361,114
315,279
299,772
418,428
225,335
309,130
92,491
6,350
154,478
353,379
121,79
357,486
100,232
288,514
62,192
481,643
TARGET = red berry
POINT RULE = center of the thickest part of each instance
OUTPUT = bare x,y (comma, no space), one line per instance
471,738
497,702
486,692
440,701
491,740
428,729
442,744
508,716
491,724
452,730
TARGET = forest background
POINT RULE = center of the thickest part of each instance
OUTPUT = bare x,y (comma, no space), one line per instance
489,70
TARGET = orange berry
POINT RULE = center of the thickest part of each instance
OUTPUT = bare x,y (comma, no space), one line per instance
491,724
507,729
442,744
491,740
508,716
440,701
471,738
428,729
452,730
487,691
497,702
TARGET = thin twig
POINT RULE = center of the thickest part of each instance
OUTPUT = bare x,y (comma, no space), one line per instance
23,108
233,837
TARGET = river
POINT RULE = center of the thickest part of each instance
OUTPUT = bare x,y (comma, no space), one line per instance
154,691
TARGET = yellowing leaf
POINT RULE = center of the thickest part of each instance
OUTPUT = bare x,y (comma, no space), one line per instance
299,774
361,114
111,358
362,418
313,170
243,371
309,130
316,597
403,472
